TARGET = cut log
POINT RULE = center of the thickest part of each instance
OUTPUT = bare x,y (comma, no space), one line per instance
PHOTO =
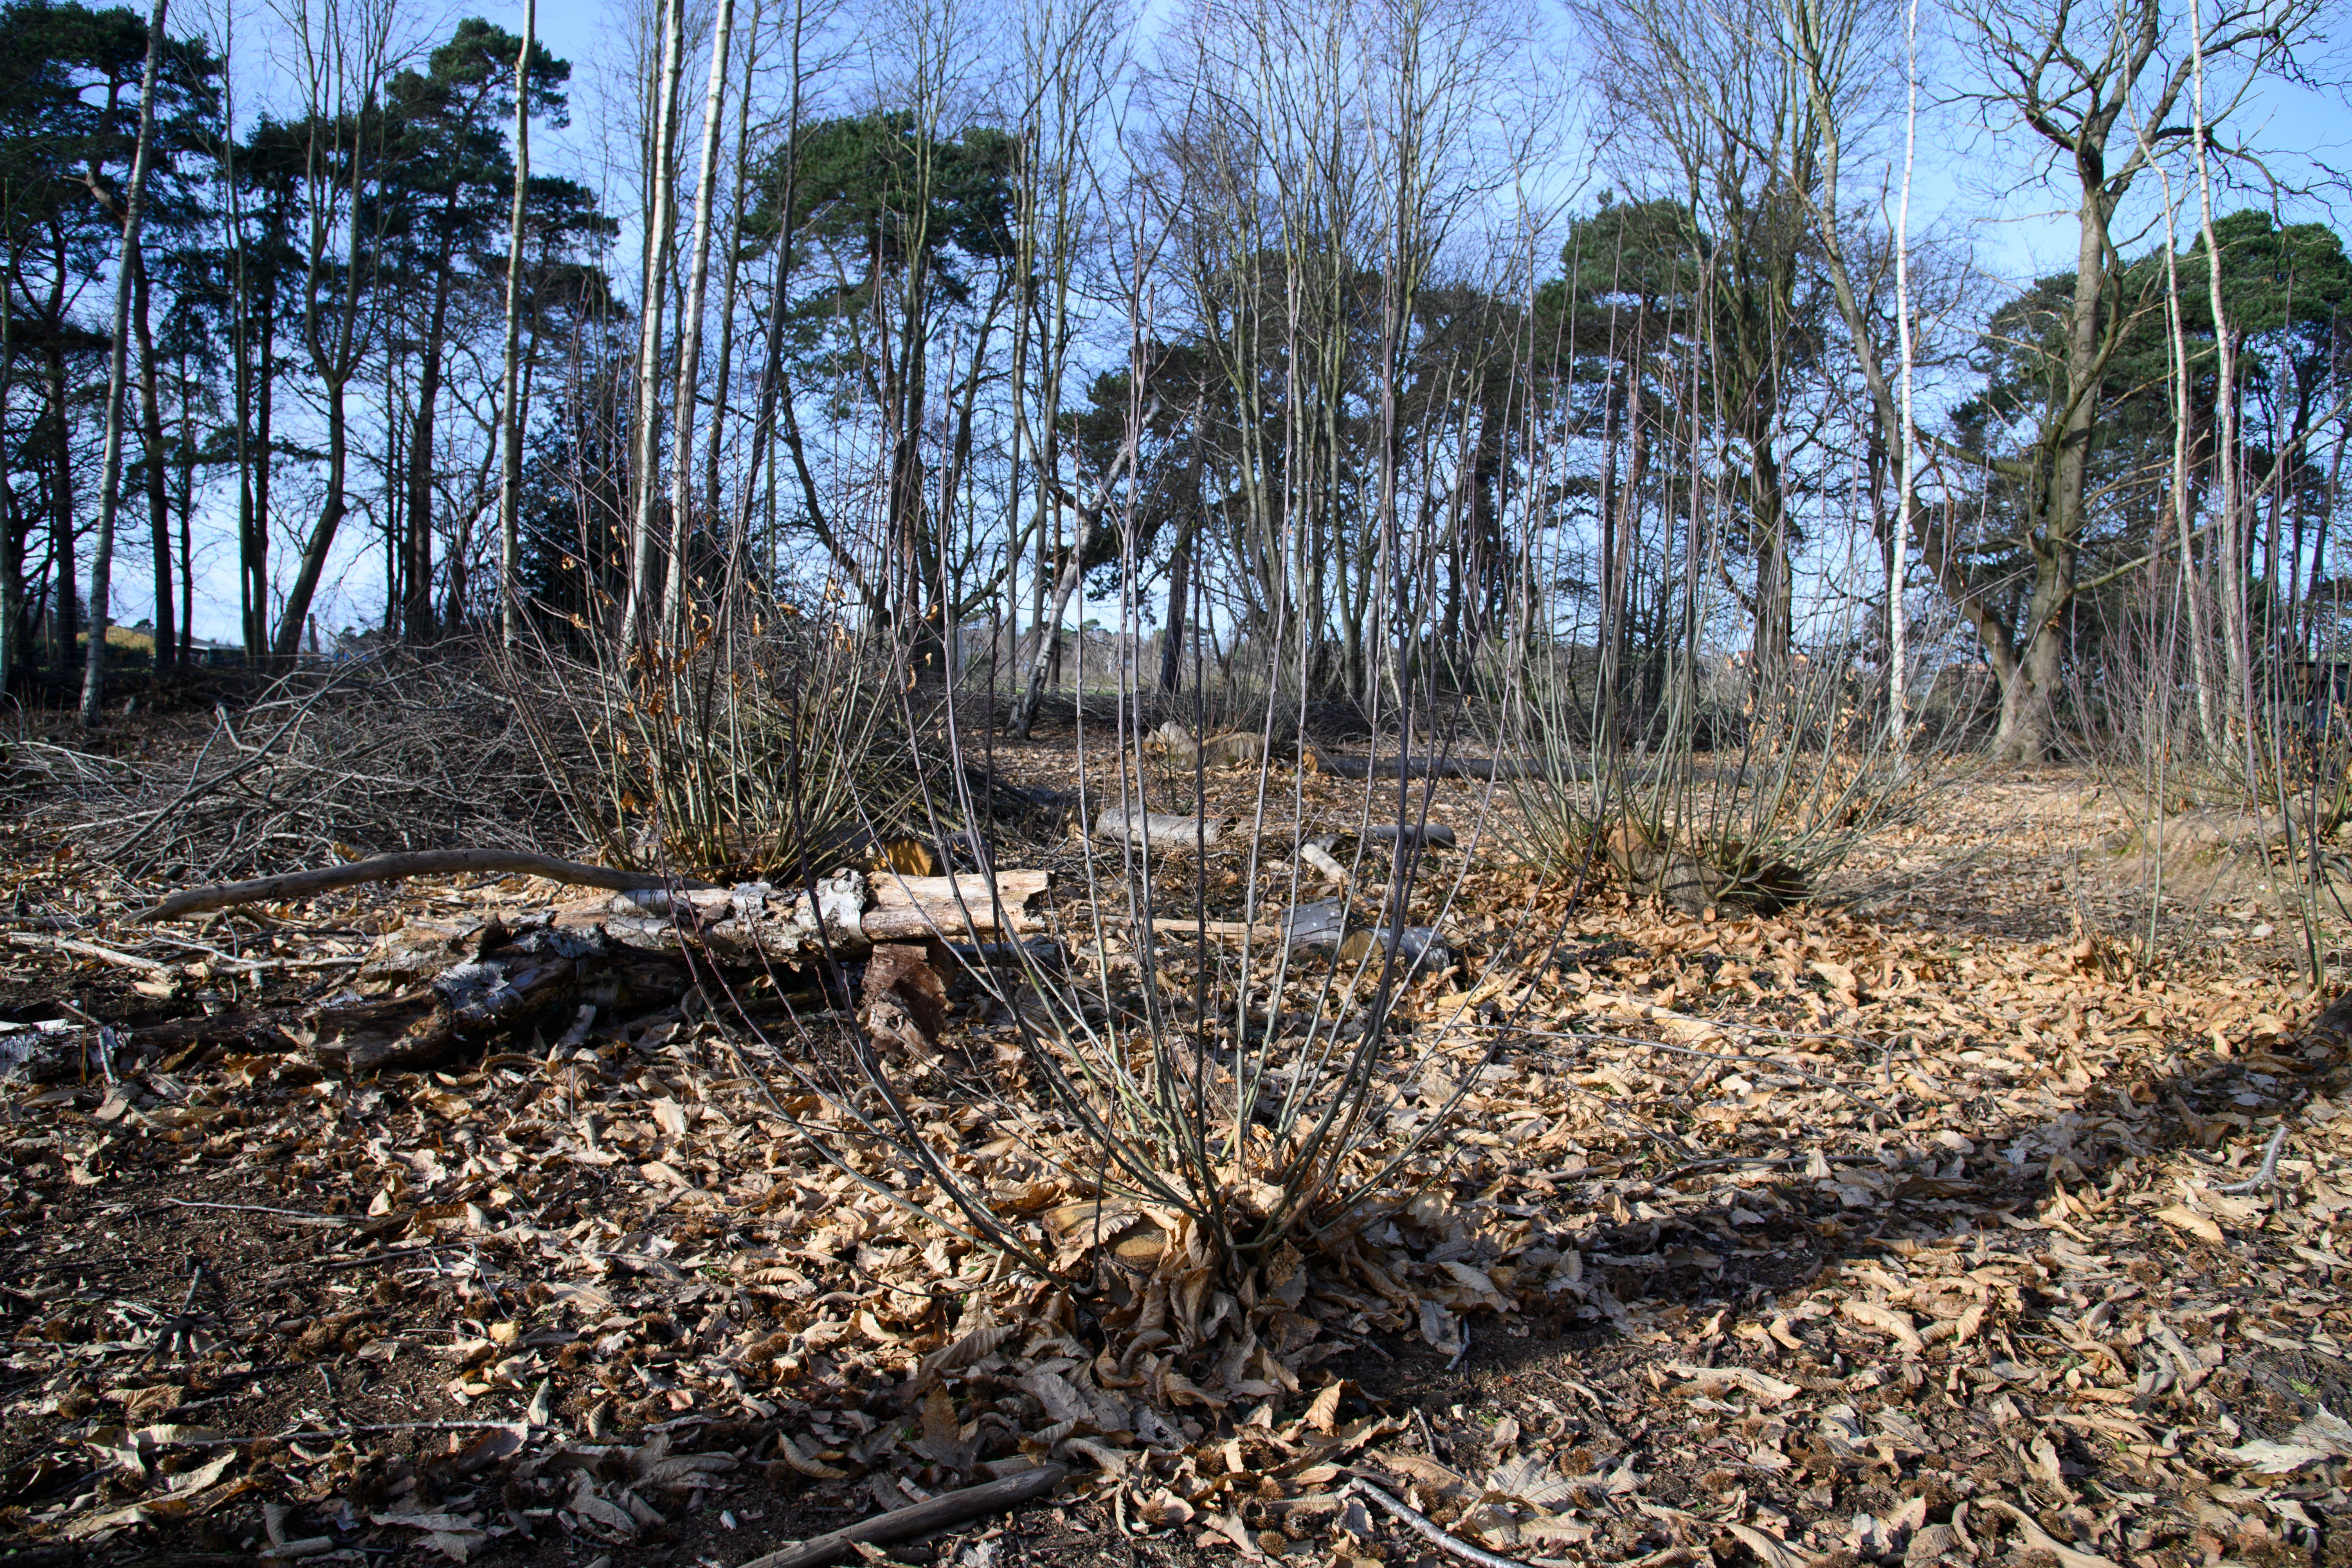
1015,888
1172,744
392,868
760,919
1427,835
1420,949
910,923
1317,924
1161,830
1436,767
1180,927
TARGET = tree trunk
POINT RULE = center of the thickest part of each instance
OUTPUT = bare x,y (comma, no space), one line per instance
159,506
660,189
323,536
109,502
12,571
723,381
512,413
690,349
416,603
63,616
1049,643
186,654
1171,652
253,474
335,367
12,534
2028,726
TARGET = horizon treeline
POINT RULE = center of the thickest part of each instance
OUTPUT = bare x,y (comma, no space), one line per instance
1321,330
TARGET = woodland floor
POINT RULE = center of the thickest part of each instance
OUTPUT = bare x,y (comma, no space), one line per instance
1891,1230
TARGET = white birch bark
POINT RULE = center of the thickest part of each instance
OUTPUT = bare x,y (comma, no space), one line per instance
510,408
690,351
658,203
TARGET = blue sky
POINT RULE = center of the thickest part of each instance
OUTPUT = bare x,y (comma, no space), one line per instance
1975,184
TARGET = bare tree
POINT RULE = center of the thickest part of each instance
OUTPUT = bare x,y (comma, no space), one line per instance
660,217
690,351
1742,140
510,410
134,207
1269,202
2104,91
342,53
1069,49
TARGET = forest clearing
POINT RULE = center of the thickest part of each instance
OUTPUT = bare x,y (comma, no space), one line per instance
997,783
1919,1223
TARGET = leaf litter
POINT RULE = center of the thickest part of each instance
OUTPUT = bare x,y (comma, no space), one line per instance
1791,1240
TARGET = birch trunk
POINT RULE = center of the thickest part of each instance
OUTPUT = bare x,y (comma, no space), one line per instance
660,187
511,413
689,352
2236,636
1898,562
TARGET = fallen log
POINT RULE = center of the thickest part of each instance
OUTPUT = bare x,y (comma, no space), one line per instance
55,1048
775,922
1423,834
45,1051
1493,768
392,868
926,1518
1180,926
508,984
912,922
1015,888
1160,831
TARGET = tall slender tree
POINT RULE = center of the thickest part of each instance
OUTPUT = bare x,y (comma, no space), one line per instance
134,203
510,409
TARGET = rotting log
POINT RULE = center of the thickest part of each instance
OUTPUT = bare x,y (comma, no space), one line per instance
488,986
56,1048
393,867
507,985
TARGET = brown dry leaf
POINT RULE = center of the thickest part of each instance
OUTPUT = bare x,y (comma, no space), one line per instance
1770,1390
975,1345
1888,1321
1423,1470
1770,1551
2182,1217
1324,1411
2040,1539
